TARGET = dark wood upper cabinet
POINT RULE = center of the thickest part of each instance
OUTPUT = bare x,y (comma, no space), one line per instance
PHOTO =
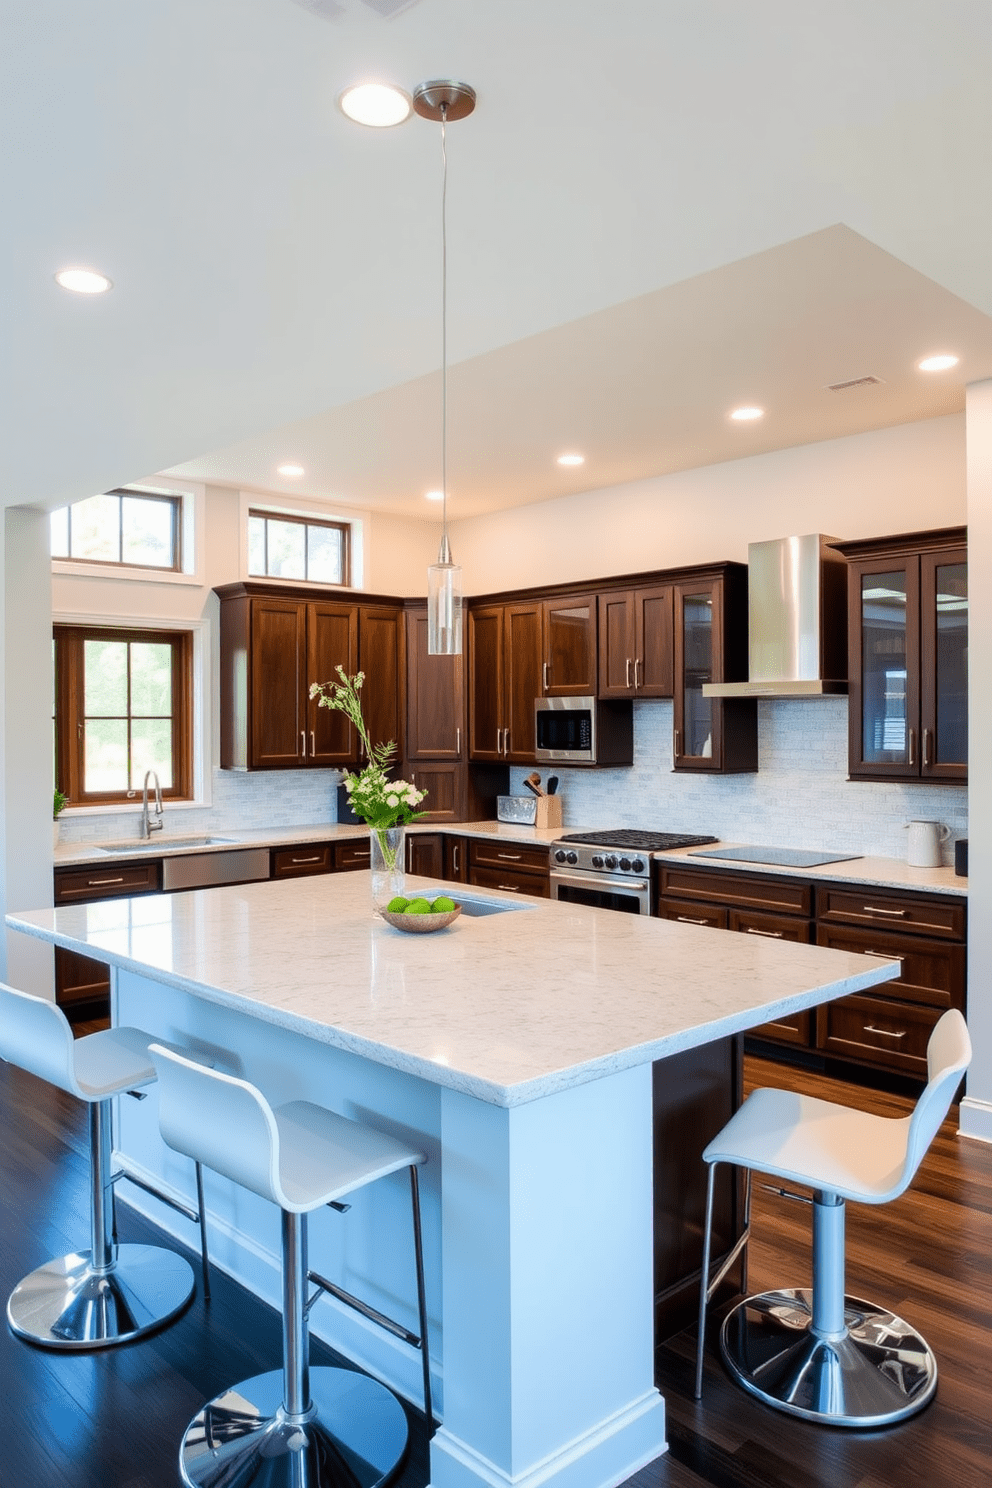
274,644
908,644
636,643
719,735
435,696
505,660
568,663
485,651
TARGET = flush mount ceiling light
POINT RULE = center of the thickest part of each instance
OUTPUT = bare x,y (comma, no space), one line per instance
443,101
571,460
939,363
746,415
84,281
433,495
292,472
377,105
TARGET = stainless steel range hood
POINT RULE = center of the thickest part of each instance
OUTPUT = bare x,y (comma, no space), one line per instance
797,621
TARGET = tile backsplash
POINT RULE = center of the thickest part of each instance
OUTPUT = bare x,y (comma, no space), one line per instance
800,797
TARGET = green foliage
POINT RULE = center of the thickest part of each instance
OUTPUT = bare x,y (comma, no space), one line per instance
379,801
61,802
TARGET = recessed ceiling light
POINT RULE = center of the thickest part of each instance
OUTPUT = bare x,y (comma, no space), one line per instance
938,363
379,105
292,472
433,495
745,415
84,281
571,459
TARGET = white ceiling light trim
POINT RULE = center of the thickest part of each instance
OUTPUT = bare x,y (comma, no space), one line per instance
84,281
291,471
574,459
939,363
376,105
747,415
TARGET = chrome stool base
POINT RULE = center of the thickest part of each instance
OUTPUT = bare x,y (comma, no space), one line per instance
354,1435
65,1304
881,1371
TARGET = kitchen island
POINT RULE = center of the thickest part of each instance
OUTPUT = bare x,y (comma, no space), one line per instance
518,1048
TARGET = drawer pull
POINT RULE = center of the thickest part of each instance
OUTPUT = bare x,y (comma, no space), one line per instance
510,888
897,914
98,883
318,859
881,956
690,920
509,857
771,934
883,1032
366,854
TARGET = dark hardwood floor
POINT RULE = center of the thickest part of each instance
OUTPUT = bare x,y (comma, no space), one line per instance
114,1419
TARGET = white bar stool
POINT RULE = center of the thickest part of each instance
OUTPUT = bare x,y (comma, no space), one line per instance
817,1353
110,1293
296,1426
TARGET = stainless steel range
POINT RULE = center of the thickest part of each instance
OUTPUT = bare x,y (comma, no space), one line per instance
611,870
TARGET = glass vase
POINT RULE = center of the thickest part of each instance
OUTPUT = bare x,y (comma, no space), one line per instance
388,861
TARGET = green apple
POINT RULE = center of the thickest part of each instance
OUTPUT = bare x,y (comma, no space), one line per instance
397,905
418,906
443,905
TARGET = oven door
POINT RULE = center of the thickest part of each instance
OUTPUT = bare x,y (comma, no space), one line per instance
628,895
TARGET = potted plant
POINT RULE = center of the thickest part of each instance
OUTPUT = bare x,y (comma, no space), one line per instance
60,804
387,806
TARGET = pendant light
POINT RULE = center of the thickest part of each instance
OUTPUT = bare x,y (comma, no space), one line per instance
443,102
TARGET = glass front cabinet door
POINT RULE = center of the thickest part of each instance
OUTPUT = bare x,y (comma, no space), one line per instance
710,632
908,626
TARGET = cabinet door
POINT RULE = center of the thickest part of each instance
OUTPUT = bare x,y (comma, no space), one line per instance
485,683
569,661
380,655
82,985
425,854
698,629
944,662
445,787
332,641
278,718
884,706
434,697
618,645
522,679
654,659
456,859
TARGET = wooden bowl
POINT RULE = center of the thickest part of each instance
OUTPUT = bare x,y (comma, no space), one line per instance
421,924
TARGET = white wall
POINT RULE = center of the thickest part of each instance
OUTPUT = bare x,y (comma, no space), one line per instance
895,480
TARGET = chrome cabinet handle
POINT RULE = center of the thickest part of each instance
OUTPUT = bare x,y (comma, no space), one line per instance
883,1032
317,859
509,888
678,743
454,858
313,746
303,738
509,857
458,740
637,663
881,956
628,672
99,883
927,761
771,934
899,914
689,920
544,673
506,741
912,746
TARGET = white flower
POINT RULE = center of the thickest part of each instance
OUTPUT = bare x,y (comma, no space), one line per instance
392,800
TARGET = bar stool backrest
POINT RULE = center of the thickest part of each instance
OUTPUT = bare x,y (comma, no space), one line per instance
35,1034
948,1056
220,1121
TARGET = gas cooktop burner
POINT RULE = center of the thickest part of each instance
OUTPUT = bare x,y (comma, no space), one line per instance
638,841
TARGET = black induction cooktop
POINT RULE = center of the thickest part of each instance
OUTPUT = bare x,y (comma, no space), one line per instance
638,841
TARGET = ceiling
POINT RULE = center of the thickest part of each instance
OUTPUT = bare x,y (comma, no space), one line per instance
660,209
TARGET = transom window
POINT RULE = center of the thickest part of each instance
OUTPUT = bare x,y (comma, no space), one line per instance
122,707
132,528
287,547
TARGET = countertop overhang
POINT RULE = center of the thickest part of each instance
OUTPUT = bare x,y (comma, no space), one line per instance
504,1007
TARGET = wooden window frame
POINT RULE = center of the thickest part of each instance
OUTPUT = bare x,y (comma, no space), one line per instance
302,520
176,566
70,711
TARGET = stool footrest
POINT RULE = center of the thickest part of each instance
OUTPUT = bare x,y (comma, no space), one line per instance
878,1372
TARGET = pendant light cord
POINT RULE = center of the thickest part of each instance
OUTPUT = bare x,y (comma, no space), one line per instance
444,338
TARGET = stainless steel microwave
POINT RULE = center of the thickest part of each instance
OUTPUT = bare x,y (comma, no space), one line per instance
583,731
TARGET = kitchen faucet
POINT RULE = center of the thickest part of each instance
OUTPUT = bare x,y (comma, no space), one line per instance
147,825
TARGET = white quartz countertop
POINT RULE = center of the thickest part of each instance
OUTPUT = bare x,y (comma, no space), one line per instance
879,873
505,1007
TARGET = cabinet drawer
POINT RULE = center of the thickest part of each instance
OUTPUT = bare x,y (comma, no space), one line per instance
687,913
80,979
508,855
772,927
882,1031
933,971
76,885
943,917
796,1028
784,896
511,880
351,855
298,862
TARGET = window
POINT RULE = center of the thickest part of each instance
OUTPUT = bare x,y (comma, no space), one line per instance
288,547
122,707
134,529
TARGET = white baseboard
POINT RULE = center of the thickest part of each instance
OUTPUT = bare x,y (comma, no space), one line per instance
975,1119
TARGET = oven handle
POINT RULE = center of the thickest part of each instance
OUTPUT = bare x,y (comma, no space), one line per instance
600,881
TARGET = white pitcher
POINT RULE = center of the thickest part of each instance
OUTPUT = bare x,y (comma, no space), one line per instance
923,846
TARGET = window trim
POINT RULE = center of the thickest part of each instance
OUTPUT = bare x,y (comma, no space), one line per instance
307,520
270,504
192,519
172,499
199,714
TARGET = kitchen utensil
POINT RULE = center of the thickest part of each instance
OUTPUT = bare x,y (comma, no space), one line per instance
923,846
552,784
533,783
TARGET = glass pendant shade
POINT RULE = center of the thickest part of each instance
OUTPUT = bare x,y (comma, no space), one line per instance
444,605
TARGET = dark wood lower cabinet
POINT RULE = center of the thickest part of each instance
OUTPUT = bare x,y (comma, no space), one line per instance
425,854
513,867
694,1094
82,985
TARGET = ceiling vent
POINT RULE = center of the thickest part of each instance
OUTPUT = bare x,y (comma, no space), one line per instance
853,382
